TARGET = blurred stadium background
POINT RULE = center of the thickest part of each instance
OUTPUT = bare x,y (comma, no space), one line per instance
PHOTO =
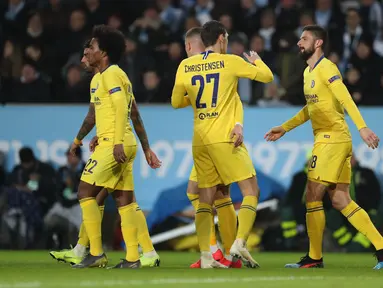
45,91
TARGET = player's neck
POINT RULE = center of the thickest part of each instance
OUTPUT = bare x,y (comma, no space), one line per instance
314,59
103,66
214,48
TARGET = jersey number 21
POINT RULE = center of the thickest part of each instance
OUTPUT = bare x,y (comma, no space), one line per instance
209,78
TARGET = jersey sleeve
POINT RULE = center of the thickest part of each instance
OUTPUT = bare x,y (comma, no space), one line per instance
179,91
301,117
258,71
115,85
333,79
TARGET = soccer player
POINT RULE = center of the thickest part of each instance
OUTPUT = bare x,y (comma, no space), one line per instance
330,167
210,80
111,164
149,257
222,202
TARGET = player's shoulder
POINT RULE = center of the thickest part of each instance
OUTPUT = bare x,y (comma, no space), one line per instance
96,76
327,64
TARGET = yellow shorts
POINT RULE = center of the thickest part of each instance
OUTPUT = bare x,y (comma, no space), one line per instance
193,175
222,163
331,163
102,170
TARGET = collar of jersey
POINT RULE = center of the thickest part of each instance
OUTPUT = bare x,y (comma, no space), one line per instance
107,68
206,53
316,64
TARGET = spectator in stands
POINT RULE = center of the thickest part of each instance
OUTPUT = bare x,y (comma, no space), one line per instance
306,18
203,10
354,84
35,32
247,17
72,40
272,94
171,63
151,33
10,68
31,87
190,22
154,89
287,16
268,28
31,195
41,58
77,88
96,13
170,16
372,16
369,66
16,17
64,218
115,22
55,17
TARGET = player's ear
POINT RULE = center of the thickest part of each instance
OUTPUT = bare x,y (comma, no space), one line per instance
318,43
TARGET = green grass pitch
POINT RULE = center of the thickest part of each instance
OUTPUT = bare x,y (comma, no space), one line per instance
34,269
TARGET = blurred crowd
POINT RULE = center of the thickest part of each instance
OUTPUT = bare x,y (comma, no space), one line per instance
41,45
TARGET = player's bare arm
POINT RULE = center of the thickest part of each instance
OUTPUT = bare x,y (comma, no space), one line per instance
139,128
86,127
277,132
339,90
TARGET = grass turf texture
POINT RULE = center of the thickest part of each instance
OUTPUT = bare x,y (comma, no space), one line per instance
33,269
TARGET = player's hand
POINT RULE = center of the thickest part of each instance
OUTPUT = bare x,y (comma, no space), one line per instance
73,148
93,143
119,153
275,133
152,159
237,133
369,137
252,57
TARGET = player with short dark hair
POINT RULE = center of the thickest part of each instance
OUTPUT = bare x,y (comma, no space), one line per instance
210,80
222,201
330,167
110,166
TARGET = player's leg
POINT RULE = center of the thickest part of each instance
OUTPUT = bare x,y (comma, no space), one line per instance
125,201
208,179
149,257
75,255
227,223
357,216
193,195
101,171
127,210
235,165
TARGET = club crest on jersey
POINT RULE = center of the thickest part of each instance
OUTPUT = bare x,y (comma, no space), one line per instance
312,83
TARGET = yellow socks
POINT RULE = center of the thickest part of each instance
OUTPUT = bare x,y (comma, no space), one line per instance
143,231
194,199
129,231
83,238
203,226
246,216
92,223
227,222
315,222
362,222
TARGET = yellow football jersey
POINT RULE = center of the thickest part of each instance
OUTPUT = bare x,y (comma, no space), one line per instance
325,111
211,82
94,85
110,86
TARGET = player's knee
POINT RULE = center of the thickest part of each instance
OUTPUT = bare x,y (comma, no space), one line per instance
123,198
315,191
102,196
249,187
340,200
192,187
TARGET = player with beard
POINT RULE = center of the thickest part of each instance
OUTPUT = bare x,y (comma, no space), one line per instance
330,167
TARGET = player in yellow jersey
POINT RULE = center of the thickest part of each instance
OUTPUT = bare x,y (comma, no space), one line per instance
210,80
222,202
149,257
330,167
111,164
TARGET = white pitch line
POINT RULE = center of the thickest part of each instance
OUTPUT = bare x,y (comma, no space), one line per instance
160,281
